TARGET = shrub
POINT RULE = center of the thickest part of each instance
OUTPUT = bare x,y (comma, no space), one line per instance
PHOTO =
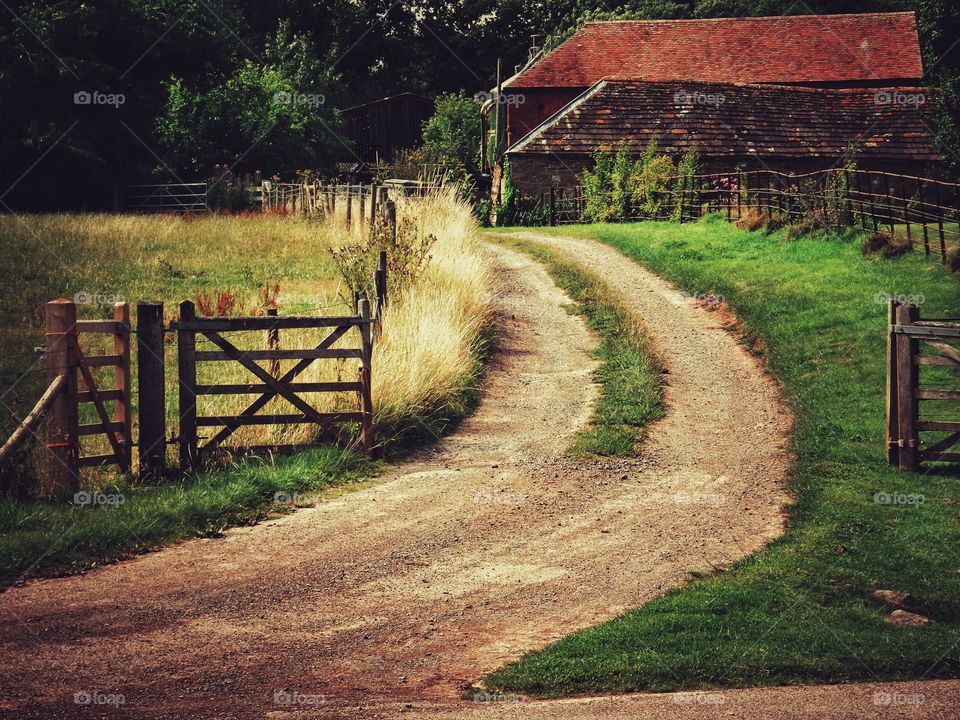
886,245
811,222
752,219
953,261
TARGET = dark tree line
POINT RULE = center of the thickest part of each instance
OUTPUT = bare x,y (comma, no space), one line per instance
183,89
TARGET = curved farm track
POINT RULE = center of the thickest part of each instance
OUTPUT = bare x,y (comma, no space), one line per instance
392,599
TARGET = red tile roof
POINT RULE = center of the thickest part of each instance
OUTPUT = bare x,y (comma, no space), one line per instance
874,47
740,121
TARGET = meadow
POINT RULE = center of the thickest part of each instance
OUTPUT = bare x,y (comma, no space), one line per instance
426,364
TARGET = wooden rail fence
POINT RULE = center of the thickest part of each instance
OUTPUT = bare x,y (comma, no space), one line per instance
915,346
72,383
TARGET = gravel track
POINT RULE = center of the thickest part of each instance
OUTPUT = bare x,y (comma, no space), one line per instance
396,597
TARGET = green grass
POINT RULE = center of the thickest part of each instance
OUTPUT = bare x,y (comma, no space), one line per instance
629,375
48,538
800,611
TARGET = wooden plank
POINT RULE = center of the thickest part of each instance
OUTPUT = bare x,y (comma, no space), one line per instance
252,355
934,360
948,351
265,323
26,427
938,394
110,327
86,396
99,428
941,425
187,382
278,419
255,388
927,331
123,407
61,475
949,456
893,422
96,460
366,398
945,444
906,348
152,417
94,361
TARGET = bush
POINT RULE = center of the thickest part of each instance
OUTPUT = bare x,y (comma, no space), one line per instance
886,245
752,219
619,188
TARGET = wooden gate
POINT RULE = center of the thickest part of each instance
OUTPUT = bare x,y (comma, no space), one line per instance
915,344
267,382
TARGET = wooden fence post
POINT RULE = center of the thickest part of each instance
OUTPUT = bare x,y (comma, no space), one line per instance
907,348
273,343
362,201
553,206
374,191
392,221
366,399
893,422
349,206
380,279
187,382
122,412
63,444
152,406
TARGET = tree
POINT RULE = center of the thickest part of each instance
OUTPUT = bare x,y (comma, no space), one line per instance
451,138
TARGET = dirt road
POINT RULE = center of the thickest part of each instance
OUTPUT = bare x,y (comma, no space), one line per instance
486,546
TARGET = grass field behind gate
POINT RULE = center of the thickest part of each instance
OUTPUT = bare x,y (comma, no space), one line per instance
425,366
802,610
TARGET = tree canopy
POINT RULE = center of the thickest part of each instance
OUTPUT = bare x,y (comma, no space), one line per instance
209,84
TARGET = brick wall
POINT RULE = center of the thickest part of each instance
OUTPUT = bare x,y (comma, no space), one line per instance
537,105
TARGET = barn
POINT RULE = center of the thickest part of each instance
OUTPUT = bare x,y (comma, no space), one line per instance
793,93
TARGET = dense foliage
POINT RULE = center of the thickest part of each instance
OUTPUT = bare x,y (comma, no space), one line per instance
200,79
618,187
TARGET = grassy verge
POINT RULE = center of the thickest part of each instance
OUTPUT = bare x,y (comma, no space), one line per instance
630,376
116,521
802,610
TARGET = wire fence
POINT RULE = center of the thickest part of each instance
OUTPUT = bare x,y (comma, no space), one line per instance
924,210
